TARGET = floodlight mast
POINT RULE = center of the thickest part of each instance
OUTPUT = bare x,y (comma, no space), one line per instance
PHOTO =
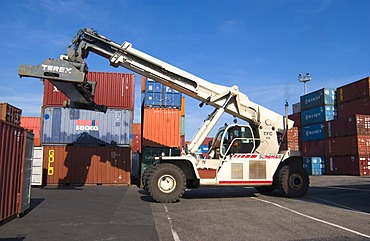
304,79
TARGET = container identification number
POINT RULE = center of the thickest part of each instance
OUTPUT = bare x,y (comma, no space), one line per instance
50,161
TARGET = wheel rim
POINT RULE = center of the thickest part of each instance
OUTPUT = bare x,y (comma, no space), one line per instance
295,181
167,183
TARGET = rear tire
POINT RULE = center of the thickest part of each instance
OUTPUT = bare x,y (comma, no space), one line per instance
293,180
167,183
265,189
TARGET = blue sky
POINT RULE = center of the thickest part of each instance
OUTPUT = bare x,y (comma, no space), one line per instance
261,46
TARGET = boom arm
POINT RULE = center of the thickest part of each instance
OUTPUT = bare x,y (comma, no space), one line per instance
218,96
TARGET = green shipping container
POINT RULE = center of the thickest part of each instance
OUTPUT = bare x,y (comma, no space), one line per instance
149,153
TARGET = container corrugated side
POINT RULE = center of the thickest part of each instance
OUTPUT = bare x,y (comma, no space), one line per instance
348,145
66,126
313,132
344,165
161,127
348,126
360,106
296,118
34,124
114,90
355,90
80,165
313,148
318,115
11,148
321,97
161,96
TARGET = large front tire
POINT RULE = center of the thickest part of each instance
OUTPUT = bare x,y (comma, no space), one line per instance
167,183
293,180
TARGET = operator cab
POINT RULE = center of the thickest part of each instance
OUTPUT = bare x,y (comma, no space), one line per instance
232,139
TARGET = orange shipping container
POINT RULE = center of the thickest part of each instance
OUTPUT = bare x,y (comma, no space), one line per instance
136,128
79,165
161,127
10,113
34,124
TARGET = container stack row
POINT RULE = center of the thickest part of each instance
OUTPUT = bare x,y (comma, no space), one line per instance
162,121
88,147
16,149
335,129
348,138
317,108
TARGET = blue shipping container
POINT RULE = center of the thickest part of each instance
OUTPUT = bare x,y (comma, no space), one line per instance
318,165
307,165
314,165
325,96
158,95
313,132
204,148
318,115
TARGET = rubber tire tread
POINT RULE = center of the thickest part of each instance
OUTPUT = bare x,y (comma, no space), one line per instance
146,174
160,170
284,175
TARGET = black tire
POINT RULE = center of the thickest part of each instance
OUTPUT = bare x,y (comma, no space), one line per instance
265,189
146,174
167,183
293,180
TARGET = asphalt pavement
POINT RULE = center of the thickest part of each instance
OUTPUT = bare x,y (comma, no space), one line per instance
335,208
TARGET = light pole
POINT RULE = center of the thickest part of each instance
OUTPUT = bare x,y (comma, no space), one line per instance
304,79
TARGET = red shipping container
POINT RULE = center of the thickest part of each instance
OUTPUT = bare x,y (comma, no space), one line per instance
348,165
348,126
364,164
342,165
79,165
12,143
114,90
355,90
348,146
296,117
313,148
34,124
161,127
136,143
136,128
360,106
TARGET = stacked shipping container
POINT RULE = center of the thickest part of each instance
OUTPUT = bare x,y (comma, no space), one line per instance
88,147
348,143
348,140
163,121
340,145
317,108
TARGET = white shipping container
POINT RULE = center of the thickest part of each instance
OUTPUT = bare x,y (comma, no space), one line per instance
36,179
